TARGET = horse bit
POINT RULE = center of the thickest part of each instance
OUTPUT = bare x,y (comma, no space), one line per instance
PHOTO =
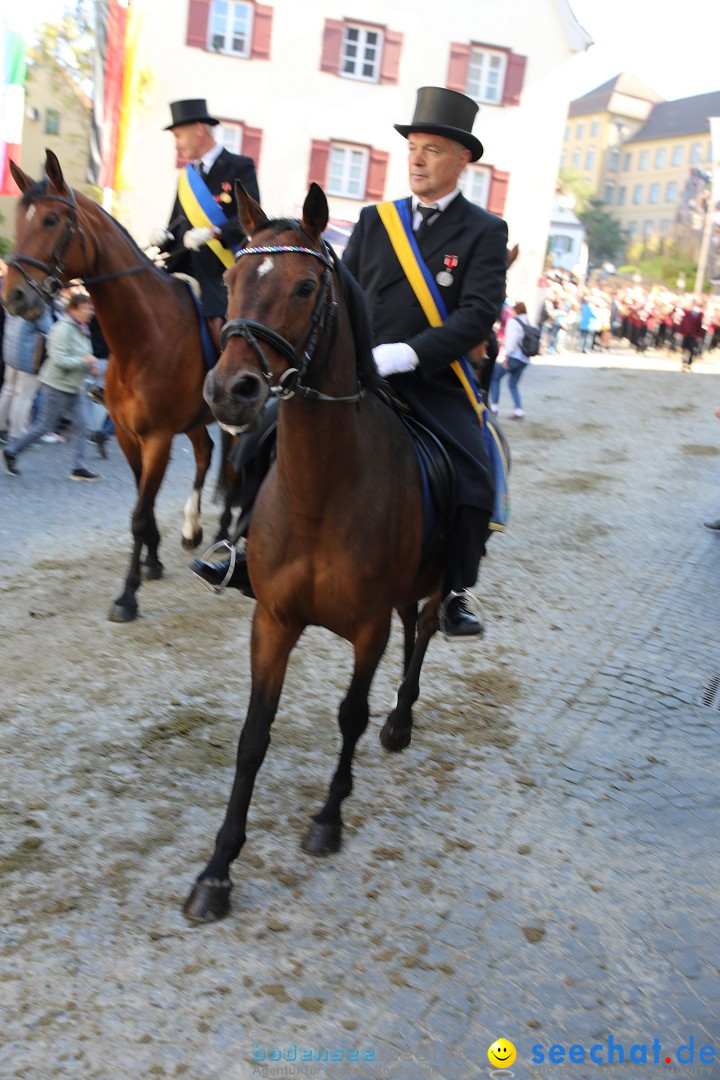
322,319
53,282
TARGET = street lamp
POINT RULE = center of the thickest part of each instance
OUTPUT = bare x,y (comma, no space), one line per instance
713,196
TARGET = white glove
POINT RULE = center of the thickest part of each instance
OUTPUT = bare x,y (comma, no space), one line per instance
160,237
393,359
194,239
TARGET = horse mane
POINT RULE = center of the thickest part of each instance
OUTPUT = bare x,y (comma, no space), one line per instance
355,302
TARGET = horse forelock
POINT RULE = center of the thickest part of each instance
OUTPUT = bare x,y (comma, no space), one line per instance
37,188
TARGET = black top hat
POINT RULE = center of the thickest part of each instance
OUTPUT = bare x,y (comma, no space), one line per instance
192,111
440,111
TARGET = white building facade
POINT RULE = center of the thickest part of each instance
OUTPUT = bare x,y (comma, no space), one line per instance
311,89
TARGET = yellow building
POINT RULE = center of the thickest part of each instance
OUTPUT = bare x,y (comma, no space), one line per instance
644,157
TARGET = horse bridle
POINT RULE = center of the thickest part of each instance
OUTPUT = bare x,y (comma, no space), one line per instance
53,282
322,320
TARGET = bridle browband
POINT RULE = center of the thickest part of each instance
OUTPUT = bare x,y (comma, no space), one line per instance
323,318
53,282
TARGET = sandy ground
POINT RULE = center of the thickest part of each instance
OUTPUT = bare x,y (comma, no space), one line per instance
118,744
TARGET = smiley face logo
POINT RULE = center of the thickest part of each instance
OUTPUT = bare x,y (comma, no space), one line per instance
502,1053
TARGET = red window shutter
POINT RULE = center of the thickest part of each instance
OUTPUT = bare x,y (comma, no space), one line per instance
391,57
514,79
377,171
251,142
458,67
332,46
262,32
319,157
498,192
198,15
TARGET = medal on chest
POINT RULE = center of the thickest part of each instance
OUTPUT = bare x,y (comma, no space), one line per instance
444,277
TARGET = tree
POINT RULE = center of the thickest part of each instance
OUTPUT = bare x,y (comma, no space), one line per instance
605,238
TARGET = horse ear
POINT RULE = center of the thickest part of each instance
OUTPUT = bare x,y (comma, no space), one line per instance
54,172
250,213
315,212
21,178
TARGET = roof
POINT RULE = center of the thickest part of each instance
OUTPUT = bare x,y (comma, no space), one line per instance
685,116
609,96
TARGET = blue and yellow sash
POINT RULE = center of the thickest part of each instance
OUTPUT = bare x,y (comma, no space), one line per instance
201,210
397,219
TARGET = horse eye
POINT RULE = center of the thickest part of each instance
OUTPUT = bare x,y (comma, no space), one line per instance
50,220
305,288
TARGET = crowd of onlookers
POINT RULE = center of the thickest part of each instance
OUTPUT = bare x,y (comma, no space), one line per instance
577,318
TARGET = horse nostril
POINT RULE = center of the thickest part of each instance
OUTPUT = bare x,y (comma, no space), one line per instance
246,387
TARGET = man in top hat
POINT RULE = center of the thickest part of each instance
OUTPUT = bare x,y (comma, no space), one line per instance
465,251
204,227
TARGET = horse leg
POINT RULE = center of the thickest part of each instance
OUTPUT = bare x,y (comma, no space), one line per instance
409,616
397,730
271,644
154,455
324,835
192,533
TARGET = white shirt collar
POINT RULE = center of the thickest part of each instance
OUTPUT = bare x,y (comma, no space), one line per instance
442,204
211,157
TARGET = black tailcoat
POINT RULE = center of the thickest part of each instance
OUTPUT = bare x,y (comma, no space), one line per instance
478,240
204,264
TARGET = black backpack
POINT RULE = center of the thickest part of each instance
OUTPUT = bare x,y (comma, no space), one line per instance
530,343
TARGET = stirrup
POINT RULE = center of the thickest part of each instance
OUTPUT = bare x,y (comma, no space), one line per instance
217,589
452,595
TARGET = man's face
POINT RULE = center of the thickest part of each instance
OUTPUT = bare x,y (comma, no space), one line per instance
434,165
191,140
83,313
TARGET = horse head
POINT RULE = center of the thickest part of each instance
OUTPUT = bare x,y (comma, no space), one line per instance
49,248
280,295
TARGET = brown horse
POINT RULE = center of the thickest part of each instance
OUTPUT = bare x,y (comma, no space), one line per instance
336,533
155,375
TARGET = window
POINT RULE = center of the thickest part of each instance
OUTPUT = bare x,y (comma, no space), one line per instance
231,137
486,76
52,122
561,245
695,154
590,158
631,229
475,184
567,133
576,159
237,138
677,155
609,192
627,162
660,157
665,226
654,194
231,27
647,229
491,74
643,159
671,191
362,50
563,160
594,129
637,194
580,131
355,50
614,159
349,171
622,191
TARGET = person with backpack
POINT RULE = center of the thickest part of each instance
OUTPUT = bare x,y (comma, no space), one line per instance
522,340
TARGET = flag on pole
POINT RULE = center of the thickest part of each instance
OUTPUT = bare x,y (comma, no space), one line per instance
129,98
12,102
115,81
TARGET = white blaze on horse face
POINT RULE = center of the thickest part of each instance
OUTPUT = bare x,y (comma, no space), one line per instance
265,266
31,213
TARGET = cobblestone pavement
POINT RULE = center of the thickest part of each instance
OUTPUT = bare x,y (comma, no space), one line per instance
541,865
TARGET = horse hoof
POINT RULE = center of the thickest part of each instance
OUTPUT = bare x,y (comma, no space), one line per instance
189,543
152,573
208,901
322,839
123,612
395,739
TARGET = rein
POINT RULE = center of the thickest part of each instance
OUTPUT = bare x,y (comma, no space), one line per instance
53,282
322,319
